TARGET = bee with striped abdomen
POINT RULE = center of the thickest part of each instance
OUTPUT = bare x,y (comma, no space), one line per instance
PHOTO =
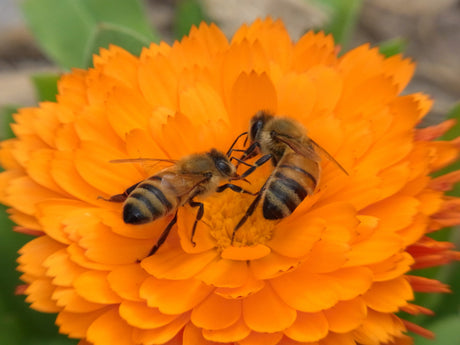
296,162
163,193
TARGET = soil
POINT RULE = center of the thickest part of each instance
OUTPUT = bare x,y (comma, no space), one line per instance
431,28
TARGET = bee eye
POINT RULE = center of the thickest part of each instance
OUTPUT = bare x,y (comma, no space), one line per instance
224,167
255,128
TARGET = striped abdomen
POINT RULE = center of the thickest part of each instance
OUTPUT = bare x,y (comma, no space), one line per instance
148,202
293,179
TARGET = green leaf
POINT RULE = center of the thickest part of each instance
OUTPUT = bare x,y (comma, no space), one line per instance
64,28
343,20
6,117
46,86
446,330
392,47
106,34
187,14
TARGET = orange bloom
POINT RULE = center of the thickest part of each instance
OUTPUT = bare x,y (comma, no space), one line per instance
334,272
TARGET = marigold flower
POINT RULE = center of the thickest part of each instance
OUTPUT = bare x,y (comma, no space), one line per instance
334,272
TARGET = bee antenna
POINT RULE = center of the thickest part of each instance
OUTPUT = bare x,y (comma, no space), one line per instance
230,150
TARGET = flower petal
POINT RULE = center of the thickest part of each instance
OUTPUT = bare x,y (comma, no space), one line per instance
355,311
175,264
162,294
139,315
209,314
264,311
308,327
110,329
94,287
235,332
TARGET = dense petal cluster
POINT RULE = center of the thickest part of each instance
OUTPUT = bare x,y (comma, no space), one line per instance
334,272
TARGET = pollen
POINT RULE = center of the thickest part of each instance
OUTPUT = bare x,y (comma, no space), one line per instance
225,210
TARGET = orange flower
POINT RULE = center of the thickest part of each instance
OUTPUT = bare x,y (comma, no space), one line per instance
334,272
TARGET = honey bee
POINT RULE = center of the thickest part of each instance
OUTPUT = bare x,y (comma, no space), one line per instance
296,162
163,193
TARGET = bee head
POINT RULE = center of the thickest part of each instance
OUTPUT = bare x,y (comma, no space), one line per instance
258,122
222,163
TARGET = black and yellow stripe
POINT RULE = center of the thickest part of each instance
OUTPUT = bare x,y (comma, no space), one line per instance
289,186
148,202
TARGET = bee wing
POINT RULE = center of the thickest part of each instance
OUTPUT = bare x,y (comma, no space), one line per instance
181,184
328,156
309,151
156,165
141,160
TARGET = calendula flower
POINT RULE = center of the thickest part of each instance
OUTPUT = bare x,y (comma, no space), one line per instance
336,271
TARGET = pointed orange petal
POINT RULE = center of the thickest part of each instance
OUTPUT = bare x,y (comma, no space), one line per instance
414,309
61,269
39,295
422,284
412,327
157,81
251,92
296,105
68,299
34,252
76,324
435,131
379,328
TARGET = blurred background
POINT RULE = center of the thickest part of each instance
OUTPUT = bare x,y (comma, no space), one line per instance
428,31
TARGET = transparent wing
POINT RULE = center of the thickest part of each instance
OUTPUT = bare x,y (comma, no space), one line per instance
181,184
309,151
154,164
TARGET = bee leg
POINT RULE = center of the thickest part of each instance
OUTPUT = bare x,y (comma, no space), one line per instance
231,149
199,215
248,213
257,164
120,197
234,188
163,236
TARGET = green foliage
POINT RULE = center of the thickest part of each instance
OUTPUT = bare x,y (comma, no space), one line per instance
188,13
46,86
69,31
446,330
393,47
6,117
343,20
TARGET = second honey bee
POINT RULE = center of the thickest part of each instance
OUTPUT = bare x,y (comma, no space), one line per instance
163,193
296,162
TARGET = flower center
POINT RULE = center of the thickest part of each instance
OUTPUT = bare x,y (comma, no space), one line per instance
223,211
